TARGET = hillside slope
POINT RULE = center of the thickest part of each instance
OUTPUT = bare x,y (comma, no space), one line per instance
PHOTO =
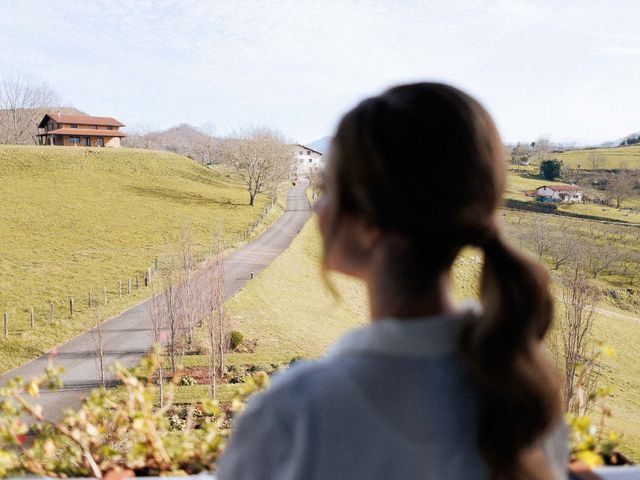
76,220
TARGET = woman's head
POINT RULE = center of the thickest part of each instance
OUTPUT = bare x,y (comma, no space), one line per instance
423,162
419,172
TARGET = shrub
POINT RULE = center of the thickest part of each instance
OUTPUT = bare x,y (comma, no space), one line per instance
235,339
112,431
551,169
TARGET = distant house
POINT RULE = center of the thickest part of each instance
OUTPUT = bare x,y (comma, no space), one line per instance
79,130
306,158
559,193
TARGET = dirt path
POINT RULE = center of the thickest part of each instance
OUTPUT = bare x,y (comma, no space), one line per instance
128,336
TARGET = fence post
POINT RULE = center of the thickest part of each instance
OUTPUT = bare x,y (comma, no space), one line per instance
51,312
119,288
137,284
6,325
33,318
71,306
129,285
146,279
106,299
90,300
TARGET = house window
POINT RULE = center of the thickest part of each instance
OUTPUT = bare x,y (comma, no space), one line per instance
301,152
100,141
109,128
74,125
87,141
308,152
74,140
95,127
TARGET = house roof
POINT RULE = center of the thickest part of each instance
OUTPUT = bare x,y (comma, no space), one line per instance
562,188
87,132
307,148
80,119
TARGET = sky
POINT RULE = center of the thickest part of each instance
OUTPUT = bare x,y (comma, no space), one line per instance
565,70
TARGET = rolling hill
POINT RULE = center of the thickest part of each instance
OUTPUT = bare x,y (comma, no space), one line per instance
76,220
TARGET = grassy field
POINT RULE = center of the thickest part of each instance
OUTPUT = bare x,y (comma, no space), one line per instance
520,181
616,157
80,219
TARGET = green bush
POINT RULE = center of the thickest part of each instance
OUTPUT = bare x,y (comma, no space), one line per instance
235,339
551,169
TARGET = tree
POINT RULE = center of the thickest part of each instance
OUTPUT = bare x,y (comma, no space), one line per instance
596,160
579,297
519,155
22,103
260,157
551,168
620,187
540,149
563,246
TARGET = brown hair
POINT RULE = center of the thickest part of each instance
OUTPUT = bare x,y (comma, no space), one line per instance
425,161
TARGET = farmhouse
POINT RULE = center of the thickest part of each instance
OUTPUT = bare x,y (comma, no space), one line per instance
559,193
75,130
306,158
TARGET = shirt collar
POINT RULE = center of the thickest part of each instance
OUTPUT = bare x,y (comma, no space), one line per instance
417,337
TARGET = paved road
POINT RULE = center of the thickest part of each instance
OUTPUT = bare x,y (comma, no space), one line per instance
128,336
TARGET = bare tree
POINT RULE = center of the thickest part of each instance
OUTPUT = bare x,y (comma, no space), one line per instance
172,296
207,145
599,258
540,150
596,160
620,187
260,157
22,103
579,297
216,318
540,238
97,334
156,319
186,294
563,246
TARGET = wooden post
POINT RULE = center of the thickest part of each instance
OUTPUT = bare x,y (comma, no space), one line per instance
119,288
6,325
146,279
129,285
51,312
71,306
90,300
137,284
251,274
106,299
33,318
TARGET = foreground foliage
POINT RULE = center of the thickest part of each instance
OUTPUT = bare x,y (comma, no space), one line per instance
112,432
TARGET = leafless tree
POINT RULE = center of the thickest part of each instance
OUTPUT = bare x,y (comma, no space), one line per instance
540,239
186,294
97,334
620,187
596,160
206,146
260,157
599,258
579,297
540,149
563,245
22,103
156,318
173,300
216,318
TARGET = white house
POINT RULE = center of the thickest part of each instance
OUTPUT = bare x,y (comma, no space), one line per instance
559,193
306,158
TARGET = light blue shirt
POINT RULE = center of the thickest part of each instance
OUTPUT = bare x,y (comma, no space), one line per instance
391,400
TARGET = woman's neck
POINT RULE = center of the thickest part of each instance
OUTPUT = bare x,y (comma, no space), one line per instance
387,300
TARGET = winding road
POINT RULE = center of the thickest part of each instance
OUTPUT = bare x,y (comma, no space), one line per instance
129,336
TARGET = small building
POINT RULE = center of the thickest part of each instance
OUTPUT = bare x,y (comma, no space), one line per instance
306,158
79,130
559,193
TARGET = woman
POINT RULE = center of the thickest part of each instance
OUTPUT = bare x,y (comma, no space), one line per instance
428,389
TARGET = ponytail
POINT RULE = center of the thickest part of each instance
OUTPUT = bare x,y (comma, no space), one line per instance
519,386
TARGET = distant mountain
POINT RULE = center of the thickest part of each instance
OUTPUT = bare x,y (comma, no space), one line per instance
183,139
321,145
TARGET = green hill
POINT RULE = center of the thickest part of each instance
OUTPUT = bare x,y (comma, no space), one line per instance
615,157
76,220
